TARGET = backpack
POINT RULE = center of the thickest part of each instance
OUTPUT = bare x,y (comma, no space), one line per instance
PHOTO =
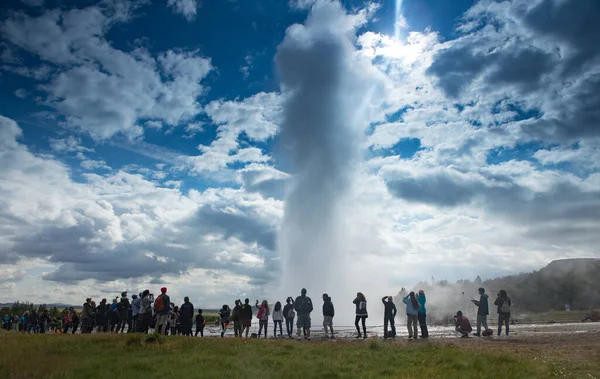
505,308
291,313
362,305
159,304
235,315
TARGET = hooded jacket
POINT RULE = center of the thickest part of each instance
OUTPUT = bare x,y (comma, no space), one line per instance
328,309
422,300
186,314
390,308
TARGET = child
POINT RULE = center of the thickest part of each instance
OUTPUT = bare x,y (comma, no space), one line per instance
200,323
463,326
58,326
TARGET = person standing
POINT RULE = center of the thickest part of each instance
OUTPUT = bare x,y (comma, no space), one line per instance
113,316
200,323
422,316
328,313
361,314
246,316
389,316
277,319
303,306
412,312
161,307
263,317
102,316
86,316
186,316
145,315
483,310
123,309
289,314
503,303
224,314
236,317
136,306
74,321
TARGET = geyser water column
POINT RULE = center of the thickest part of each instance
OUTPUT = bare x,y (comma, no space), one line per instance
321,134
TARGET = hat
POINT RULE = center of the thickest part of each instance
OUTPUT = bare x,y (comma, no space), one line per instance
163,290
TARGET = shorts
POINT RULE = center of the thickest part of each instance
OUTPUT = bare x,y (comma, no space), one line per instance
303,321
327,321
246,323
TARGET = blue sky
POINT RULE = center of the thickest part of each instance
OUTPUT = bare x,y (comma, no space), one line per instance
200,143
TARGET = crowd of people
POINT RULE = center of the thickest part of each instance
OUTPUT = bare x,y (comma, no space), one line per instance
145,312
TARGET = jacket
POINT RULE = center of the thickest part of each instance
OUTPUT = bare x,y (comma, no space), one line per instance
422,300
263,313
246,313
390,308
484,308
186,314
286,310
145,305
359,311
124,306
278,315
303,305
328,309
136,306
410,308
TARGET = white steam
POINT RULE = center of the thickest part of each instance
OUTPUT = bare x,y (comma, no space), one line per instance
324,120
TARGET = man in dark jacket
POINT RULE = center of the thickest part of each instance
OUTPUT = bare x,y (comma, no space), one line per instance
236,317
102,317
123,308
328,313
186,317
303,306
246,316
388,316
483,311
86,316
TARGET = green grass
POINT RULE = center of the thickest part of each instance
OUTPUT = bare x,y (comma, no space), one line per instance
134,356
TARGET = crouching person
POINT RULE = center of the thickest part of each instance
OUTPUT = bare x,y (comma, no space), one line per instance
463,326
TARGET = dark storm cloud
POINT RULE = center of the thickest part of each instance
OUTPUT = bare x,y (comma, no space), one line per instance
439,189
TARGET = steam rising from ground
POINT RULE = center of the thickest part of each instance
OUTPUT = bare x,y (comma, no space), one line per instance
324,120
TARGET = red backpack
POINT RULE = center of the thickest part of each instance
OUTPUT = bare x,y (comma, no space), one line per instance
159,304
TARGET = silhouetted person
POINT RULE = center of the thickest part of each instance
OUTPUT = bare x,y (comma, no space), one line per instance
361,313
503,303
483,311
303,306
328,313
422,316
388,316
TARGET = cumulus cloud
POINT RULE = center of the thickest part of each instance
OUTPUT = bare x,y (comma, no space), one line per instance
102,90
187,8
122,226
256,117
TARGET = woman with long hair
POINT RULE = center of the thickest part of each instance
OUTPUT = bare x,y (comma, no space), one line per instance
277,319
263,316
412,314
361,314
224,314
503,303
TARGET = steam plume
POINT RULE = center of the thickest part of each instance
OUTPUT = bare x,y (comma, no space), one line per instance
322,130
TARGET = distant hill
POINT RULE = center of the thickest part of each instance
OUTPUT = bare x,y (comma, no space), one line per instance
57,305
567,281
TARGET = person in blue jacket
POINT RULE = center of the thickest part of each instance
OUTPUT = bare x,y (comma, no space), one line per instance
412,312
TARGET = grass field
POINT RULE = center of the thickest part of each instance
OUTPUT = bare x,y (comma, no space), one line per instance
133,356
551,317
